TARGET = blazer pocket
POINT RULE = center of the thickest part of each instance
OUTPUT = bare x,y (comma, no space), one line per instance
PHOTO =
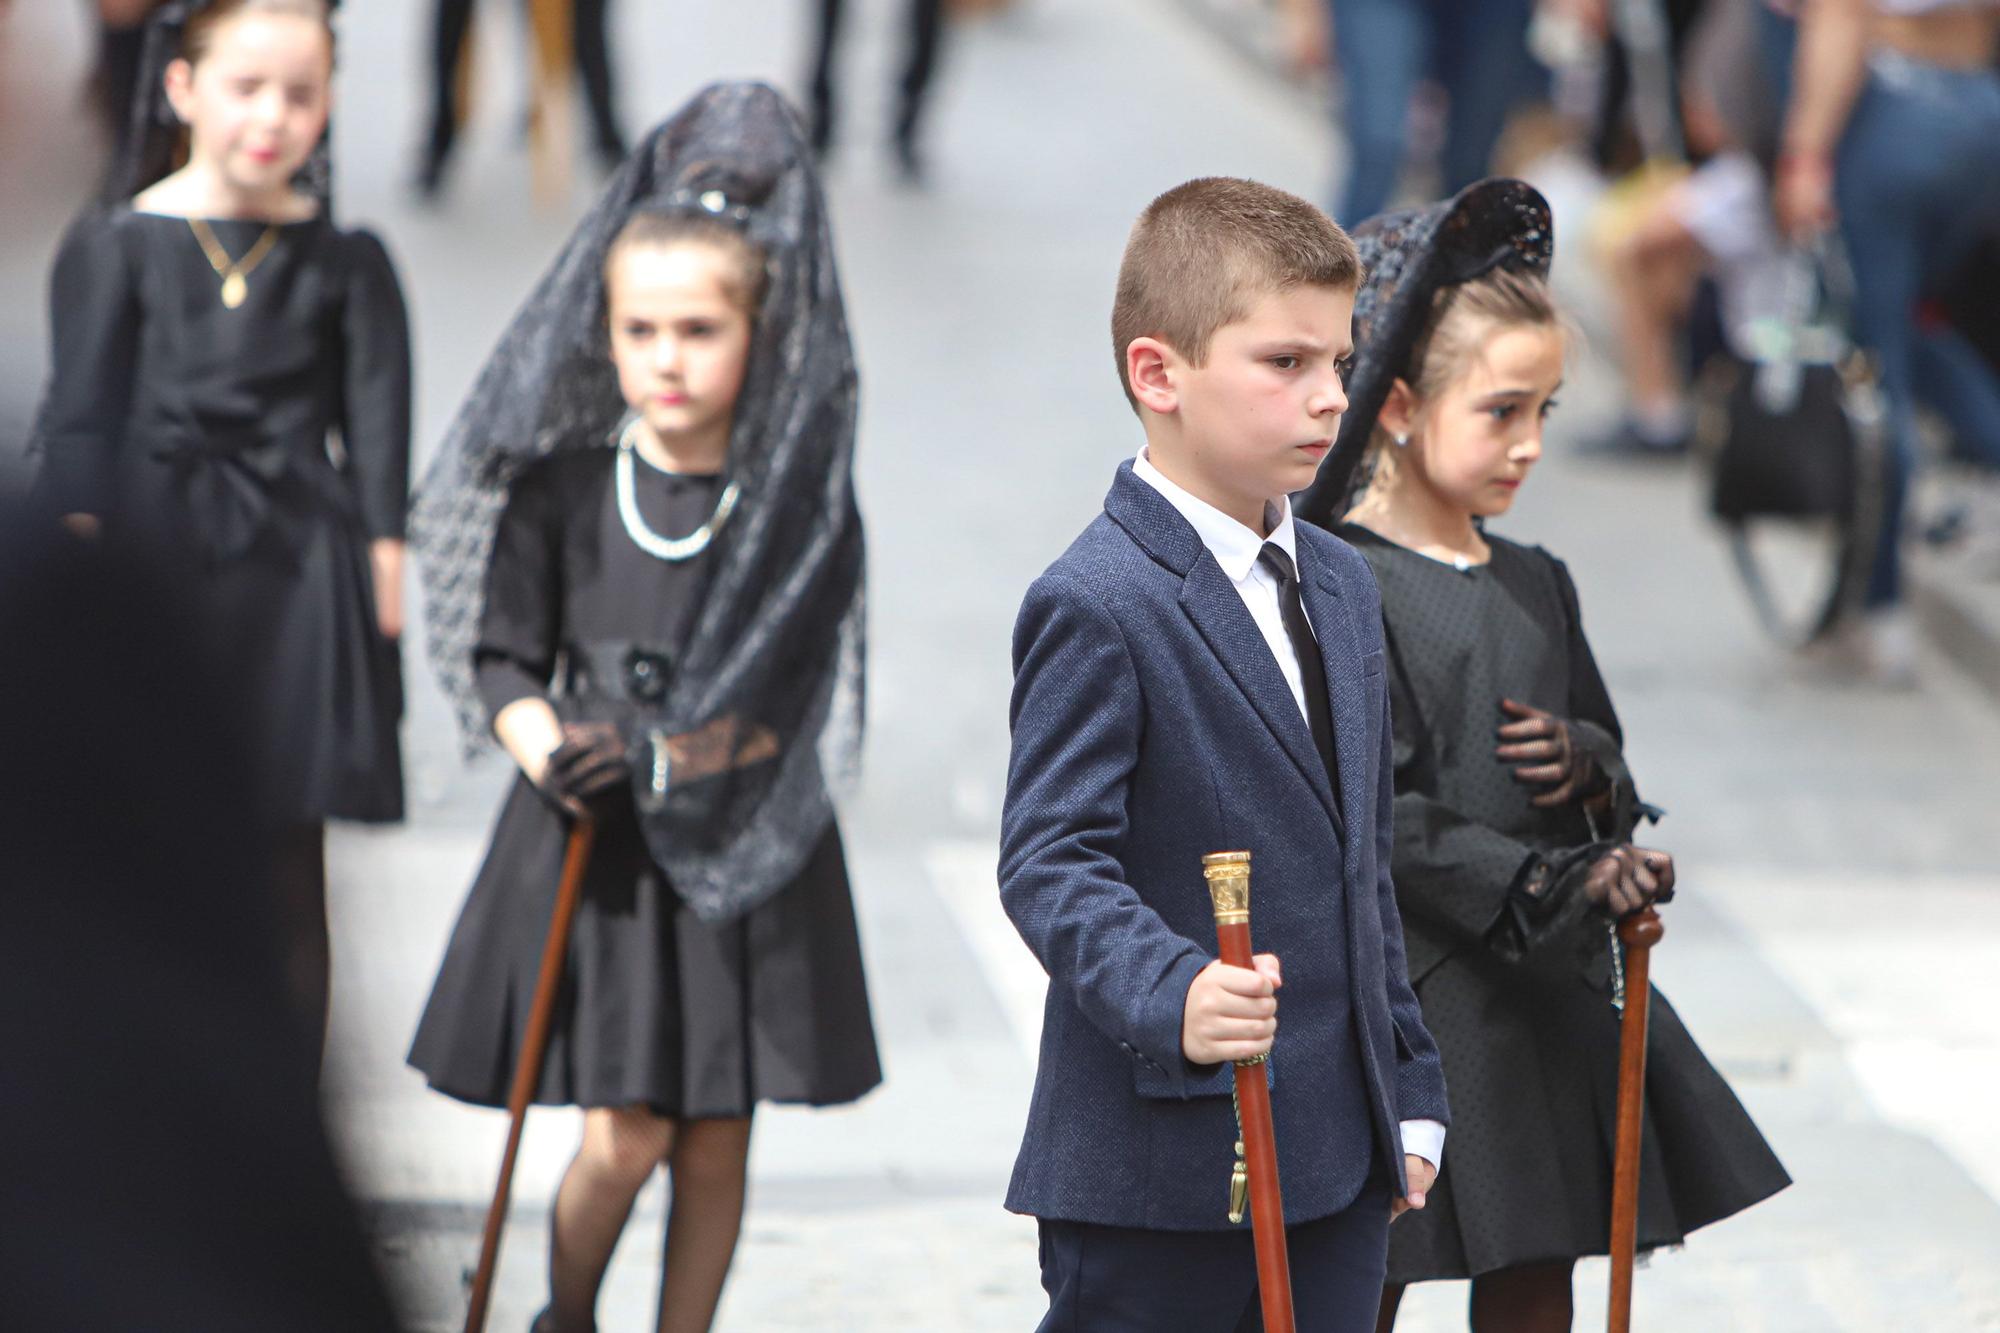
1156,1084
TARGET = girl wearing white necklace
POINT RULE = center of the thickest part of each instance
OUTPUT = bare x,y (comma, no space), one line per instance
639,657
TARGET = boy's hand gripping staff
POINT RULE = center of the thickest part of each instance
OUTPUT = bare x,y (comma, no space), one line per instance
1638,933
1256,1173
528,1068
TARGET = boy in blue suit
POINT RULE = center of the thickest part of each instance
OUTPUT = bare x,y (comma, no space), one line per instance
1196,674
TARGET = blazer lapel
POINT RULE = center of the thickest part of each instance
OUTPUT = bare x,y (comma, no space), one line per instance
1319,588
1216,608
1213,604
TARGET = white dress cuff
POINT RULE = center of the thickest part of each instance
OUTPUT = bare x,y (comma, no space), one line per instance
1425,1139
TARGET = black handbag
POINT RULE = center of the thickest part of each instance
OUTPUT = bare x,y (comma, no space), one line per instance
1783,450
1793,432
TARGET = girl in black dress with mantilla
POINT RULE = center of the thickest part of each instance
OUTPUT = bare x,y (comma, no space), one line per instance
231,389
1515,811
643,561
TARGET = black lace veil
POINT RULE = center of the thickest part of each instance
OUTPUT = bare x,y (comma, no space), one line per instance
777,643
1407,258
156,138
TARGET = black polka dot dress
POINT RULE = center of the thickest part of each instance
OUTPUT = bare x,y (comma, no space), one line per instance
1517,991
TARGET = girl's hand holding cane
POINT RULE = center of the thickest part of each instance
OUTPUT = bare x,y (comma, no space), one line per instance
588,765
1627,879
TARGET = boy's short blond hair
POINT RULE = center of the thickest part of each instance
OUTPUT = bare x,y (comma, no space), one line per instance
1201,252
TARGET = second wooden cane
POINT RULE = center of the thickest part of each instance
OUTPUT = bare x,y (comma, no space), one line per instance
1228,875
1638,934
528,1067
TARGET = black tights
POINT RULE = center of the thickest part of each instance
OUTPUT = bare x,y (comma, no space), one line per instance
1533,1298
706,1164
300,870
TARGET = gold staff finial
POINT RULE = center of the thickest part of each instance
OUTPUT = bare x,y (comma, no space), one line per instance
1228,875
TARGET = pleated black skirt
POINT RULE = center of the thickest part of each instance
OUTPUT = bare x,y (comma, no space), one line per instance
658,1008
1531,1061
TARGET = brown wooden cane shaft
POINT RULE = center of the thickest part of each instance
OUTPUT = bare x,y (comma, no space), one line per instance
1639,933
1260,1154
528,1068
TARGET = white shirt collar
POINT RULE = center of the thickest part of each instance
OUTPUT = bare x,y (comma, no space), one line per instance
1234,546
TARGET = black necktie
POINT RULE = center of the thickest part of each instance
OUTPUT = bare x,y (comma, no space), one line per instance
1312,670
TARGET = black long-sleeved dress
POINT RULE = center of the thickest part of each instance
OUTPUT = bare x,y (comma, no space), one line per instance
259,450
1516,989
659,1008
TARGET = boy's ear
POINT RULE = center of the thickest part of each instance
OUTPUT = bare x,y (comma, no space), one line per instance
1150,368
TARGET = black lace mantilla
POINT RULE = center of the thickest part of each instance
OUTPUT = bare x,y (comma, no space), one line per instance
777,643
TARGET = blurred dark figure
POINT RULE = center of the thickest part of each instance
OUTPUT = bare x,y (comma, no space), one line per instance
1892,134
451,29
160,1141
1474,51
923,28
121,39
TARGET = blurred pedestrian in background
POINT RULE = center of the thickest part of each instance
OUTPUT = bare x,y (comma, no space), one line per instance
451,92
1892,135
923,33
160,1138
1708,224
1475,52
230,381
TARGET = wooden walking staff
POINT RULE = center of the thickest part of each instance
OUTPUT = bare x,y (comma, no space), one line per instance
1638,933
1256,1173
528,1068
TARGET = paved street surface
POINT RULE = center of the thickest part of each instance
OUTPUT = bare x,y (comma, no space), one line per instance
1836,944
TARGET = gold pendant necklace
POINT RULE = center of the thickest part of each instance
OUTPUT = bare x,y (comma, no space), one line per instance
235,273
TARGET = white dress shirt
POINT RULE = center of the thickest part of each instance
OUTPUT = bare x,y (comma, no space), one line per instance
1236,549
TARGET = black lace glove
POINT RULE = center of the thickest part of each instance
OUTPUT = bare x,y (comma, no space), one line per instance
1628,878
1545,752
586,769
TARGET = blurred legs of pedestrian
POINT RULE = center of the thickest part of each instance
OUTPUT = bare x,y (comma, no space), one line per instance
451,29
1715,223
923,26
1906,216
592,46
1476,49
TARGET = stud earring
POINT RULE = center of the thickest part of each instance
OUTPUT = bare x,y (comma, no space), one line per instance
1402,441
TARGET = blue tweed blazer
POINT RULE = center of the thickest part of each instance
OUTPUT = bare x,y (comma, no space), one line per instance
1152,725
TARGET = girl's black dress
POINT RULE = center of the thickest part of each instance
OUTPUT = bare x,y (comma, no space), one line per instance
259,450
1517,995
658,1008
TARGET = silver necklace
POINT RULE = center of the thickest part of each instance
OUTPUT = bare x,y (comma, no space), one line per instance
652,543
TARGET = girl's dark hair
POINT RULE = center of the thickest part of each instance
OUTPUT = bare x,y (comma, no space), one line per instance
204,23
747,276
